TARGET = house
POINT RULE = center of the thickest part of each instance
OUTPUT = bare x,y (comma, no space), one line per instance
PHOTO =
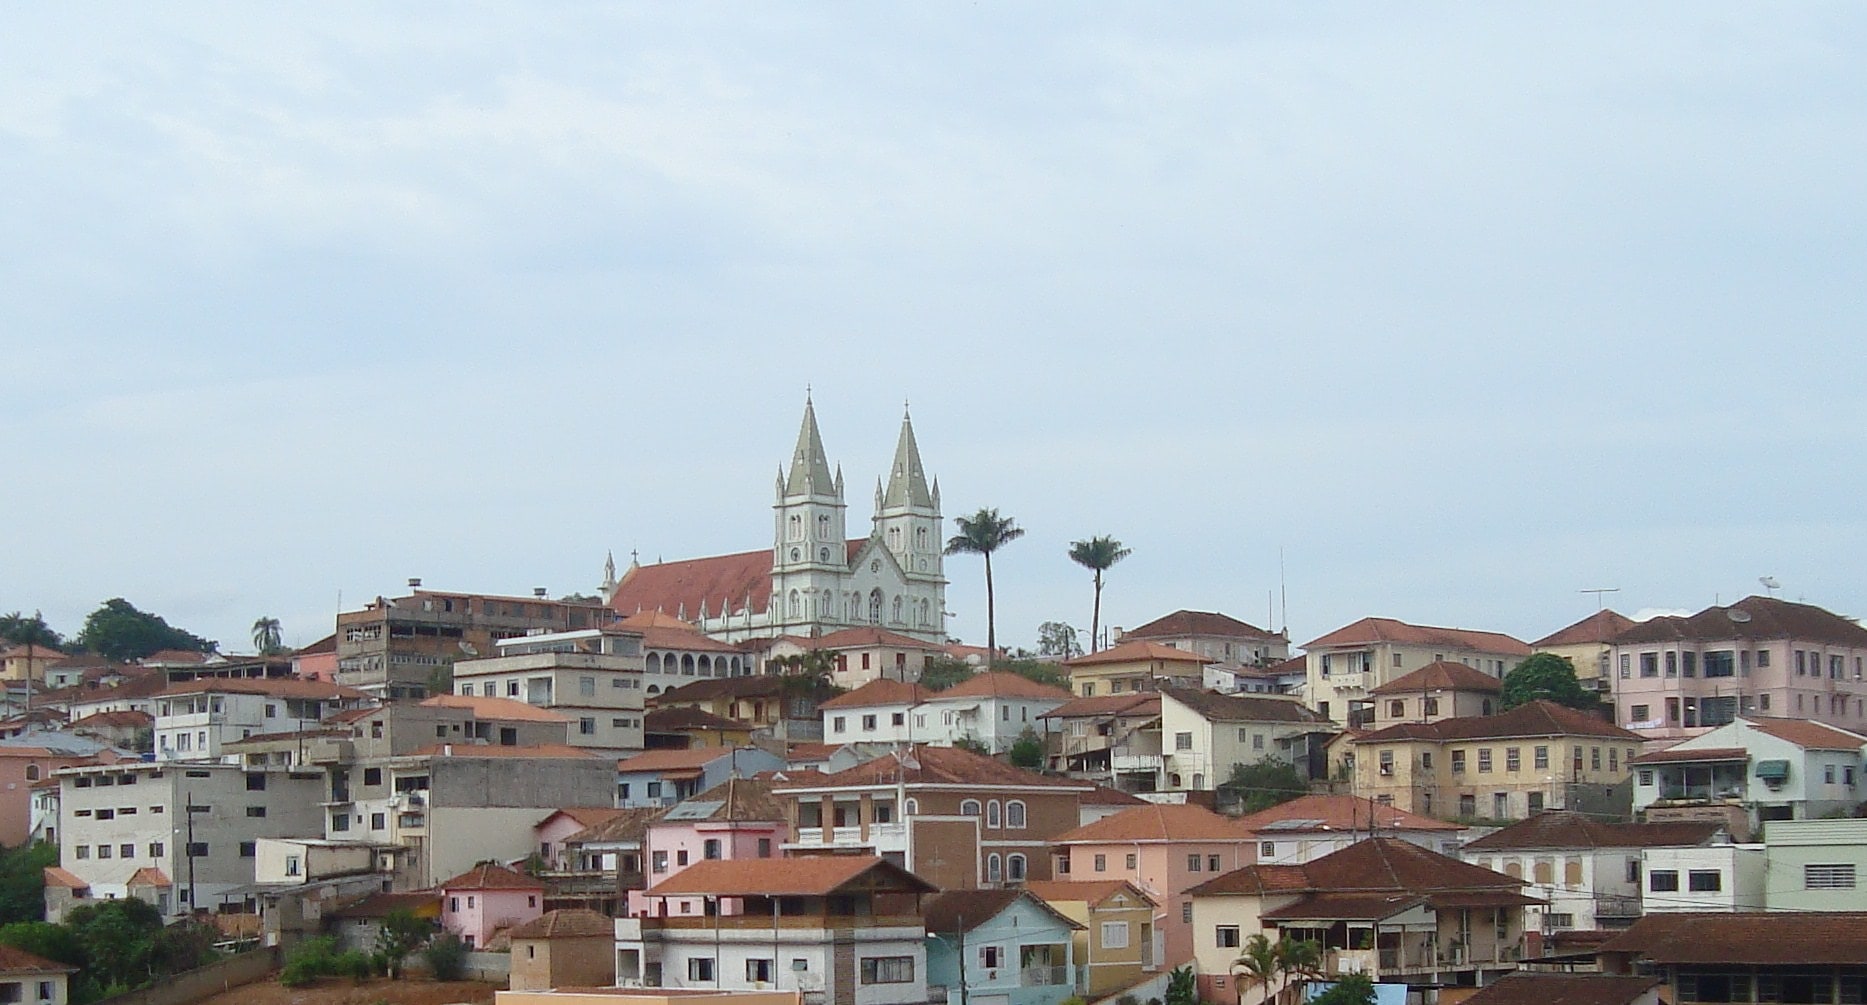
564,949
1527,988
195,719
296,880
358,924
487,898
1220,638
551,832
25,977
1113,739
665,777
601,863
990,710
392,646
1719,876
1677,676
1587,871
64,890
1114,943
1588,645
1442,690
737,819
674,652
1538,756
1749,958
846,927
1344,665
1205,736
1752,770
1308,827
955,818
1815,865
860,655
1103,801
1383,907
684,727
1135,666
507,722
1164,850
599,693
999,945
782,707
21,767
128,730
27,661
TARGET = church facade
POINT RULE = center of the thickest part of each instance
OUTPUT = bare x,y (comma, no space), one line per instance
815,579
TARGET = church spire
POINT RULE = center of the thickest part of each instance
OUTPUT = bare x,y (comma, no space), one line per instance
810,470
907,482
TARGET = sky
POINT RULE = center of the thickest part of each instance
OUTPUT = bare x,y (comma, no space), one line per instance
1441,313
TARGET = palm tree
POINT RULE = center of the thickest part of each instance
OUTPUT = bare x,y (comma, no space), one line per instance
1097,554
1258,961
1297,958
983,533
267,636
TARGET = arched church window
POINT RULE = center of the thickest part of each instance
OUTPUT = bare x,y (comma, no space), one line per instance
875,565
926,613
897,617
797,605
920,539
796,524
894,539
823,526
875,607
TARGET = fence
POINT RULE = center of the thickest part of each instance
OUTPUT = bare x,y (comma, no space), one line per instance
214,978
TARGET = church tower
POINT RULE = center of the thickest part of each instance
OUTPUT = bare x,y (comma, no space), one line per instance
809,555
907,520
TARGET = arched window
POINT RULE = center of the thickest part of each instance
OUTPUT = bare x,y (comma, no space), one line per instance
1572,872
1014,868
32,772
1545,871
796,606
654,689
687,665
913,806
706,666
654,663
991,815
920,539
1174,779
823,526
875,606
894,539
1199,780
1014,814
796,524
897,617
994,868
969,808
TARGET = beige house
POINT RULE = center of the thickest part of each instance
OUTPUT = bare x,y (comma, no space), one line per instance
1204,735
564,949
1443,690
1114,914
1589,644
27,661
1114,739
1538,756
1347,663
1135,666
1220,638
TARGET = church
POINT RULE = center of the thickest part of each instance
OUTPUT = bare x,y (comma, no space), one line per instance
815,579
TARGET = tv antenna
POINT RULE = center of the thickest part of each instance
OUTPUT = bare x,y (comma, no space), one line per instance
1770,584
1598,591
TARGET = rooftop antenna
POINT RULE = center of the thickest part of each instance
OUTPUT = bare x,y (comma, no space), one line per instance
1770,584
1598,591
1283,590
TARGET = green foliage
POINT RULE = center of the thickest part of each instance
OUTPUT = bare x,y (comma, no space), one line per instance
943,672
1057,638
447,957
1128,999
1028,751
310,960
1258,961
1348,989
1073,1000
183,946
1097,554
21,629
1546,676
118,939
22,881
402,933
1041,671
1263,785
972,746
42,938
1181,989
982,534
268,636
121,632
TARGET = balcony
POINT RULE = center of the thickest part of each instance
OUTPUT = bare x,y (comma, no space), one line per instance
1045,977
1119,761
892,836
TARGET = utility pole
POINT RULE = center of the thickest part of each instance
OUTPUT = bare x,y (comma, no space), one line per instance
959,932
188,810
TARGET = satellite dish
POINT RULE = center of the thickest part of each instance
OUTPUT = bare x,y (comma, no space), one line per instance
1770,583
1737,615
469,648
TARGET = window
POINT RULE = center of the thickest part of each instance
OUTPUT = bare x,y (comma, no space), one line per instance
378,821
992,819
1212,863
1763,659
83,851
1672,664
898,719
1535,802
1646,776
759,971
1649,664
1102,863
1484,759
1225,936
969,808
1015,868
1828,774
839,725
1458,762
991,957
764,847
1387,762
1704,881
248,849
1426,759
711,849
155,849
1192,862
340,821
256,811
659,861
1114,935
1663,881
1594,758
1014,814
256,782
1828,877
1267,849
1131,860
1513,758
680,856
1429,706
586,726
197,850
1183,741
1186,913
1625,657
887,969
700,968
1396,709
868,724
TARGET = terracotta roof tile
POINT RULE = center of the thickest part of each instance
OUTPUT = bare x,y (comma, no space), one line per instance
494,709
1330,905
719,582
738,799
1391,864
381,905
574,923
123,717
1369,631
1536,718
492,750
1337,813
1444,675
1106,796
691,759
1157,822
998,684
586,816
1806,734
1757,618
1674,755
810,876
957,910
19,961
1524,988
1600,627
1564,829
1181,624
276,687
869,636
60,877
628,825
1805,938
487,876
880,692
686,717
928,765
1255,881
1138,651
1146,703
149,876
1215,707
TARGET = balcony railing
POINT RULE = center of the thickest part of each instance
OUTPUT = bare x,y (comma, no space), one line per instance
1045,977
894,835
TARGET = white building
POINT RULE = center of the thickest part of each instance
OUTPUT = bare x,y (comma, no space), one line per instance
990,709
1718,877
1205,735
195,718
595,682
1751,771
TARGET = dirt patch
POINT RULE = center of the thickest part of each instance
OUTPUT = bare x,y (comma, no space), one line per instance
344,992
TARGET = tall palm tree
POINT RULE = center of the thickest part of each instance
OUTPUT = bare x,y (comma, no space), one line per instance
1097,554
1297,958
983,533
1258,962
268,637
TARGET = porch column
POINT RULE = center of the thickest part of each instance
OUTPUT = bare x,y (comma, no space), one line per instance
865,812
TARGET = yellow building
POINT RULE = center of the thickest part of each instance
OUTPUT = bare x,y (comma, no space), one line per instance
1115,948
1538,756
1587,644
1135,666
1347,663
27,661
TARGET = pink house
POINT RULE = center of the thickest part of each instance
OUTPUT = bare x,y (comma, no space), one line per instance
1165,850
552,830
735,820
487,898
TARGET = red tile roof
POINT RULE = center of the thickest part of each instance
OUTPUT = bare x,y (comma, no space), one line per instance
720,582
1157,822
1336,906
1337,813
381,905
880,692
59,877
1181,624
1525,988
1378,865
124,717
149,876
540,750
1370,631
686,717
1600,627
999,684
691,759
586,816
19,961
965,910
868,636
487,876
1255,881
1565,829
810,876
926,765
1215,707
1536,718
1755,618
1091,891
274,687
1790,938
327,644
1444,675
1106,796
1138,651
1675,755
1806,734
1145,703
574,923
494,709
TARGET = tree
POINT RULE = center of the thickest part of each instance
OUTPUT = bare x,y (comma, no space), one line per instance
1041,671
983,533
118,938
121,632
1546,676
447,957
402,933
1263,785
1097,554
22,881
1056,638
1181,988
943,672
268,637
1348,989
42,938
1297,958
1028,750
1258,961
21,630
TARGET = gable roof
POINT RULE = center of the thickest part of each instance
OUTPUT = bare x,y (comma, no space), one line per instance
1255,881
1819,938
1336,813
880,692
570,923
1525,988
1603,626
707,689
488,876
1675,755
149,876
494,709
720,582
1371,631
686,717
64,878
19,961
274,687
503,751
1107,796
1568,829
1535,718
584,816
1370,878
1088,891
1442,675
1382,863
691,759
1807,734
929,765
381,905
1216,707
1751,618
626,826
1138,651
1140,703
1001,684
809,876
734,800
1157,822
965,910
866,636
1181,624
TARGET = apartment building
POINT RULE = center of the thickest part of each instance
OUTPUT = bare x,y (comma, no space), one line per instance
1753,771
196,719
1348,663
393,647
1587,872
601,694
1114,739
1220,638
1588,644
989,709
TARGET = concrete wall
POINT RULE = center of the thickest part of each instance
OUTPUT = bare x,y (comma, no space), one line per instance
194,985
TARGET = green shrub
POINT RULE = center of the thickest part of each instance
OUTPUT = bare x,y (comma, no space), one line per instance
447,957
1128,999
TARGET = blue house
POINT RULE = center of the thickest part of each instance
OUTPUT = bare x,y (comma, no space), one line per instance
1006,947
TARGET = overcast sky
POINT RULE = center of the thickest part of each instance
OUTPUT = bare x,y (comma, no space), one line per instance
1461,310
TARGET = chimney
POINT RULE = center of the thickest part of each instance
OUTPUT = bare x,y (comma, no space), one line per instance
414,582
